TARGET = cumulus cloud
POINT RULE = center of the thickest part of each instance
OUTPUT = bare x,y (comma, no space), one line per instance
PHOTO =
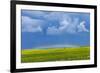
31,25
53,22
53,31
68,25
81,27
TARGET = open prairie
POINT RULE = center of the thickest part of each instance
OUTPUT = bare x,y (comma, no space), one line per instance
55,54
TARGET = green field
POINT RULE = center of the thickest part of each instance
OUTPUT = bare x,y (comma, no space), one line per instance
55,54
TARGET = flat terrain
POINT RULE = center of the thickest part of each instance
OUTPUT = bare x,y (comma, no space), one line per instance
55,54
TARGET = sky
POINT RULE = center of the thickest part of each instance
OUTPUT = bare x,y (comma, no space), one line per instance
45,29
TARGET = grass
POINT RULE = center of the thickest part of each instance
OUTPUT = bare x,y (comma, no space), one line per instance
55,54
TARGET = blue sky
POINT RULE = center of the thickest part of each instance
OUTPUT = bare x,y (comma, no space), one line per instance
50,28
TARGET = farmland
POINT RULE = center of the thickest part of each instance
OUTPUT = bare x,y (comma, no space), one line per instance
55,54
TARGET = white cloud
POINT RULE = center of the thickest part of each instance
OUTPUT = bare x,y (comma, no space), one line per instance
53,31
68,25
65,26
31,25
81,27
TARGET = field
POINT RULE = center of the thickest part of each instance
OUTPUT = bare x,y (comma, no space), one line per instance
55,54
